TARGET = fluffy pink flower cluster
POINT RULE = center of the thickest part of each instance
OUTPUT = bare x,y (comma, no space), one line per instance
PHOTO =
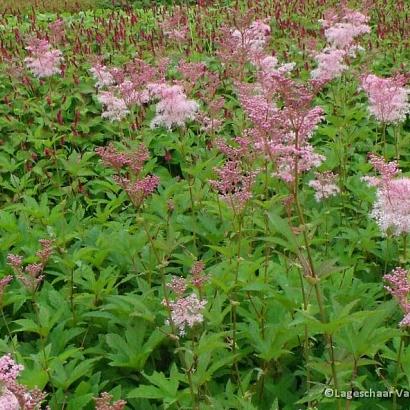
211,123
399,288
111,157
9,369
198,278
341,30
391,209
57,31
3,283
324,185
104,402
343,27
31,275
173,107
191,71
282,134
234,185
243,44
102,76
388,97
15,396
253,37
270,64
175,27
387,171
235,153
115,108
137,187
131,95
330,64
125,87
43,61
186,312
8,401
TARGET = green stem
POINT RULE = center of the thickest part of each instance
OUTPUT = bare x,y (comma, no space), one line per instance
396,376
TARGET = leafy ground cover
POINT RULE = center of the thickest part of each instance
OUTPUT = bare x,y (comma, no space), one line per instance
205,207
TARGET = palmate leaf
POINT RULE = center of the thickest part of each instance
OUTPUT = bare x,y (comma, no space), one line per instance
133,350
161,388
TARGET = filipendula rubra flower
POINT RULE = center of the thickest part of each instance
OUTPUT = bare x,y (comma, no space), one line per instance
234,183
343,26
391,209
330,64
281,131
31,276
13,395
186,311
173,107
102,75
242,44
104,402
324,185
399,288
388,97
115,108
43,61
131,163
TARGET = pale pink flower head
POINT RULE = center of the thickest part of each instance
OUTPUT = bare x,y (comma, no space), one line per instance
102,76
234,185
344,26
186,312
391,209
8,401
342,35
191,71
305,158
324,185
9,369
387,170
140,189
268,65
175,27
43,61
131,95
198,277
399,288
12,391
57,31
388,97
104,402
14,261
173,108
115,109
34,269
178,285
235,153
111,157
330,64
46,250
3,283
254,37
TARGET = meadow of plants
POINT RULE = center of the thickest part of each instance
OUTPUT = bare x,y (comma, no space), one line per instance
205,206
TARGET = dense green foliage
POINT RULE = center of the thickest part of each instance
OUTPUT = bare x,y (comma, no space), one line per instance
97,323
